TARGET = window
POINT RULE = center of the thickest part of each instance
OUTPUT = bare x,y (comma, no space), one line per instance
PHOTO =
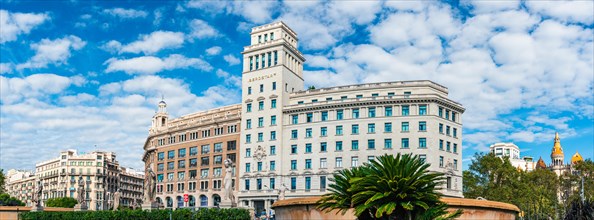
248,123
181,164
249,107
307,183
329,99
269,58
374,95
248,167
218,147
388,127
248,138
423,157
448,130
407,94
193,162
404,142
359,96
308,132
170,154
354,145
293,183
440,112
273,135
307,163
388,143
422,126
339,130
323,131
260,137
338,162
293,149
323,163
354,161
273,120
205,161
273,103
272,150
440,161
441,144
248,152
259,166
294,119
272,182
405,126
307,148
251,65
371,128
261,105
260,122
293,134
343,97
455,132
455,148
339,146
448,146
356,113
422,142
355,129
204,173
339,114
249,90
453,116
390,94
293,164
447,114
309,117
247,184
272,165
323,147
193,151
275,57
405,110
314,100
422,109
273,85
371,112
388,110
262,85
324,116
160,167
440,128
371,144
455,164
161,155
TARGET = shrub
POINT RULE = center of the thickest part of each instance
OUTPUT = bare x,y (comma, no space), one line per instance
7,200
200,214
64,202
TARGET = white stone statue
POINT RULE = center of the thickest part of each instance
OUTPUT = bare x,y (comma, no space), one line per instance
149,185
38,194
281,192
228,181
116,200
109,201
80,197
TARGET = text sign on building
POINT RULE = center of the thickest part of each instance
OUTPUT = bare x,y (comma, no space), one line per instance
185,197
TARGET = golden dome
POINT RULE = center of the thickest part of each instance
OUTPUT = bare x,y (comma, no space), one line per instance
557,150
576,158
540,164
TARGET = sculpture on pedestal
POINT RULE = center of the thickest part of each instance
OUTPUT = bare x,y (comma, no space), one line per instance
149,185
281,192
81,195
116,200
228,181
37,195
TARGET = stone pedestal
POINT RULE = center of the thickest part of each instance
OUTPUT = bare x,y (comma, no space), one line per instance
79,207
37,209
150,206
226,204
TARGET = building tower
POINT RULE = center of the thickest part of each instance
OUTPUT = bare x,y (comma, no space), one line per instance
160,118
557,157
272,69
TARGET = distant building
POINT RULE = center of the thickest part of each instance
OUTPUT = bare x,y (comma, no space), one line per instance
21,185
512,151
59,176
558,164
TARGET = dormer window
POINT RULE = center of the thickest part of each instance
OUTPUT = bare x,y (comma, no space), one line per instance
162,121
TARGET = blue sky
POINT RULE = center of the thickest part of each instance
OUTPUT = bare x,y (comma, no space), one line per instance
80,74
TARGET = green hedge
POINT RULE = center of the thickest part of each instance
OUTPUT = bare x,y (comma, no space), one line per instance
201,214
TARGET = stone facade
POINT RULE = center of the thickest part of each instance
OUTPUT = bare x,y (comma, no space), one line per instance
21,185
512,151
187,155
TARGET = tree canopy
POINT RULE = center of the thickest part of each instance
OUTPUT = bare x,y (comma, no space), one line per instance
64,202
7,200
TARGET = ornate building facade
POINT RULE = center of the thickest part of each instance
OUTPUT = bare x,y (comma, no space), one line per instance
558,164
512,151
292,140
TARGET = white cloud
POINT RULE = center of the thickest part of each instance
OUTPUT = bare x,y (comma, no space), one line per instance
479,7
125,13
231,60
213,50
52,52
76,99
201,29
149,44
6,68
37,85
258,11
152,65
565,11
15,24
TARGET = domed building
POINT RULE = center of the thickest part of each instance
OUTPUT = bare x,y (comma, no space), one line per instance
558,158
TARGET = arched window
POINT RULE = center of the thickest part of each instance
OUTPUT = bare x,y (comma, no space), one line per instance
180,201
216,199
192,201
203,201
169,202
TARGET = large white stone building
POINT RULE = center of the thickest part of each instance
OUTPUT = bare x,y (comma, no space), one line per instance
512,151
295,139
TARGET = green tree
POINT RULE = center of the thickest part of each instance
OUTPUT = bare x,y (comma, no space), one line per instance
2,181
64,202
7,200
311,88
388,187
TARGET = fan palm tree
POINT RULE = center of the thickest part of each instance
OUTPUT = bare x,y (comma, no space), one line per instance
389,187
